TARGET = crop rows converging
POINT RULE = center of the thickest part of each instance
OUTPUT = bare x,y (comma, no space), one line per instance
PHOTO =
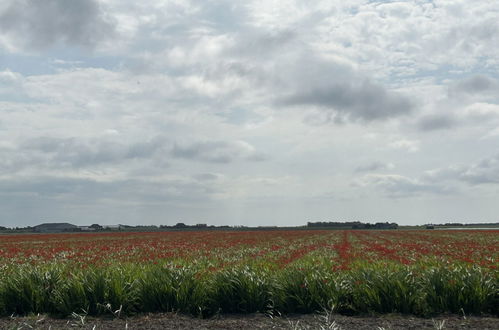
279,271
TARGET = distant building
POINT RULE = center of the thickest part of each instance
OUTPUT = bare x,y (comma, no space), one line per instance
353,225
86,228
54,227
385,225
112,227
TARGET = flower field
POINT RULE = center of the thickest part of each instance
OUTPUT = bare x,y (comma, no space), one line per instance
280,271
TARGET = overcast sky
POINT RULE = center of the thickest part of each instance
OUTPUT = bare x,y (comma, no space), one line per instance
248,112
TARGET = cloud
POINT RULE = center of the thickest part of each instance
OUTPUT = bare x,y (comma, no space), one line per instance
492,134
437,181
404,144
216,151
39,25
476,114
11,86
475,85
78,153
481,112
278,68
374,166
395,185
73,152
485,171
353,100
437,122
449,173
206,177
84,189
8,77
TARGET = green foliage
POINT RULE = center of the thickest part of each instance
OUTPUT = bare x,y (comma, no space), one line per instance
386,288
162,289
453,289
28,290
242,290
298,288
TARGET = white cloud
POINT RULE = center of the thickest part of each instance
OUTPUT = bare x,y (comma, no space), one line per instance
404,144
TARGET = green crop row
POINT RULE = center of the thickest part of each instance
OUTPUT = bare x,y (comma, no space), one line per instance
365,288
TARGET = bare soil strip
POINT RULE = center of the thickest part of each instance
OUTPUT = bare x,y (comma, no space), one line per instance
253,321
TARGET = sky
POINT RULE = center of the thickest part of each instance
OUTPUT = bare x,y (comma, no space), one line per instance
248,112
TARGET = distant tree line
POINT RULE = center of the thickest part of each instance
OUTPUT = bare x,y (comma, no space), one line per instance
202,226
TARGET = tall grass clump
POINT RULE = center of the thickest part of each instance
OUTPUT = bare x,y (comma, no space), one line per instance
386,288
97,291
459,288
30,290
302,290
242,290
166,289
420,289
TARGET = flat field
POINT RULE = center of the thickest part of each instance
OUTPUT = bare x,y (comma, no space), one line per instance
208,272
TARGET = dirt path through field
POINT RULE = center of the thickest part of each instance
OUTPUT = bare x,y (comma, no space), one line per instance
253,321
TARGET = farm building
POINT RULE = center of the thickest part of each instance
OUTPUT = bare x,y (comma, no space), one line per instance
55,227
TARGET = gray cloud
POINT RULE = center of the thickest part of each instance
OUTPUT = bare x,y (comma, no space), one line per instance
354,100
206,177
216,151
374,166
437,122
36,199
401,186
78,152
278,67
42,24
88,189
477,84
484,172
258,44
